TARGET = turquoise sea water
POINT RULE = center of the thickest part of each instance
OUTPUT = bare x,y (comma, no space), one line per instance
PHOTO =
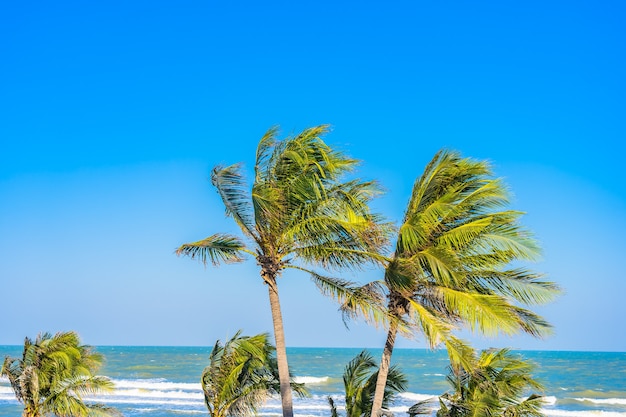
164,381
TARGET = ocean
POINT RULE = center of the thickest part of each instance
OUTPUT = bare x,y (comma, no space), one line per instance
164,381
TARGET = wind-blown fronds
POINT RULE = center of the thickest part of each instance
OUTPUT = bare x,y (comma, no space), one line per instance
520,284
454,248
299,211
241,375
359,380
492,383
263,153
364,301
55,371
215,249
451,264
431,323
232,188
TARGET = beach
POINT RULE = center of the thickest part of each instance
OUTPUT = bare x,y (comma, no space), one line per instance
164,381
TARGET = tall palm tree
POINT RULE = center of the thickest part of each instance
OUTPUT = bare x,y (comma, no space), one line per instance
359,380
300,211
241,374
54,374
452,262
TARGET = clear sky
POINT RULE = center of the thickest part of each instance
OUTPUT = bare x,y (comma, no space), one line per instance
113,113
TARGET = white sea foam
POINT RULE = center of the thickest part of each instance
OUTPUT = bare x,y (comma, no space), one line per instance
594,413
156,384
145,401
549,400
311,380
137,393
411,396
148,395
176,411
610,401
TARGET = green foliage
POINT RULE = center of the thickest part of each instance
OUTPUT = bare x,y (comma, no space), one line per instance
359,379
451,263
299,211
54,374
241,374
496,383
493,383
299,207
451,266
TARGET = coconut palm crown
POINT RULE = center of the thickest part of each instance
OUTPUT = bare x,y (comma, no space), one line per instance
495,382
242,373
359,381
54,374
299,211
452,262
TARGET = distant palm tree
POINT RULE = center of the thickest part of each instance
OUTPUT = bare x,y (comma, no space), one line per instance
54,374
299,209
241,374
495,383
359,380
451,263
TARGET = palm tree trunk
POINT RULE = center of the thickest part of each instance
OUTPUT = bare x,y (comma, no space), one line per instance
281,349
383,371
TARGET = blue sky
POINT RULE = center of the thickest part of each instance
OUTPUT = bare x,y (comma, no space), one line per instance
112,115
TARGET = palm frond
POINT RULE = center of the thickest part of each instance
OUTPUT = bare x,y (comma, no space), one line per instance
263,154
233,190
333,407
355,300
440,266
215,249
520,284
489,314
530,322
432,324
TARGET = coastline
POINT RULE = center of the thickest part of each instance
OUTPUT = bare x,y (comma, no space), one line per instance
164,381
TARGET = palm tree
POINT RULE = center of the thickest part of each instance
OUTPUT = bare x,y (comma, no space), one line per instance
241,374
53,375
451,263
299,210
359,380
494,384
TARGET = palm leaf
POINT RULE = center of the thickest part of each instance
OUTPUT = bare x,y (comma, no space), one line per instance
233,190
433,325
490,314
263,153
216,249
355,300
520,284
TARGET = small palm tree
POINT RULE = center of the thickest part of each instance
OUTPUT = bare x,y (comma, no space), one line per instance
451,262
241,375
359,380
495,384
54,374
299,212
